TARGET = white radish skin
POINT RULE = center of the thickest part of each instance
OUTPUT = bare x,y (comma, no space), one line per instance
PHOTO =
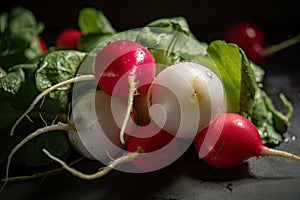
184,98
98,126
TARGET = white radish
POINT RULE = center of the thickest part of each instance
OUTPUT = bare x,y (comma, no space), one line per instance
93,130
184,98
97,125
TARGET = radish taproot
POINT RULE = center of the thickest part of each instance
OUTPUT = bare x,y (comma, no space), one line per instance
237,141
184,98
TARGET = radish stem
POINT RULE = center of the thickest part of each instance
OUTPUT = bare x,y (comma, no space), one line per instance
278,47
47,91
56,127
273,152
131,93
103,171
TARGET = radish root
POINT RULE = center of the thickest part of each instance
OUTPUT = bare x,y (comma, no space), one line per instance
40,174
131,93
103,171
273,152
47,91
55,127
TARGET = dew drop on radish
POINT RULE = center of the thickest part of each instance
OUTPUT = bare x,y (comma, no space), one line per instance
237,141
184,98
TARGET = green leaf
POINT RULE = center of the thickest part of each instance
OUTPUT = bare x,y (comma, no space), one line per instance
87,42
56,67
31,153
19,37
178,24
248,85
91,20
228,59
13,81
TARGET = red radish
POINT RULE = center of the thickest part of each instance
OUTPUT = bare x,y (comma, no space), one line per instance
251,39
238,140
159,147
124,68
42,44
68,39
115,62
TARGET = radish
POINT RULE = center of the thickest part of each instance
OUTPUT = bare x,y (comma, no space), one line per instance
42,44
68,38
158,148
184,98
120,59
93,129
251,39
237,141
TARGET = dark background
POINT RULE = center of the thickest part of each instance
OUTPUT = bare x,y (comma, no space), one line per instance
208,19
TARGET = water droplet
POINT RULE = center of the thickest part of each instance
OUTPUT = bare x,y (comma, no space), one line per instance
289,138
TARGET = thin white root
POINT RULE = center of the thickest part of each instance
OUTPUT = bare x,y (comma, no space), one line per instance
47,91
103,171
131,93
57,127
40,174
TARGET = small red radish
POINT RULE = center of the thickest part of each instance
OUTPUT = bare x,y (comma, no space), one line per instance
159,148
251,38
68,38
124,68
115,63
42,44
238,140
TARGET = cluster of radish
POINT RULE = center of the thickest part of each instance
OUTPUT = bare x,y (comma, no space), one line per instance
149,115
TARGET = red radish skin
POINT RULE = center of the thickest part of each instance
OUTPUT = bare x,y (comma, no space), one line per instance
157,140
120,58
42,44
251,39
68,39
239,140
